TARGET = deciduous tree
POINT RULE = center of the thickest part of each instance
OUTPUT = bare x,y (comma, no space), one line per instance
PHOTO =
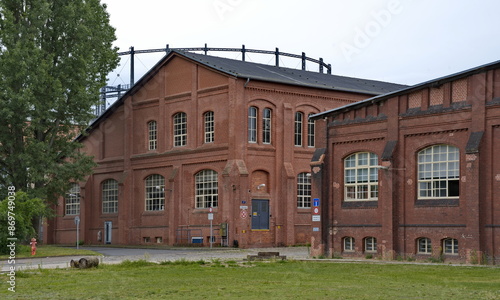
54,58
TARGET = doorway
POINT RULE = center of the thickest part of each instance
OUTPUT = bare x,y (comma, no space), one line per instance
260,214
108,225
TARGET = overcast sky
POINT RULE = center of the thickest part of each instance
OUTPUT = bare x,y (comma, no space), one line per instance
402,41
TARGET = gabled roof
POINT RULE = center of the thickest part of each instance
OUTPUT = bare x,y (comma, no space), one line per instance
431,83
269,73
260,72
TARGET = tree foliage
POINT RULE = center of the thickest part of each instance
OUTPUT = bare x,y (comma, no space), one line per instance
22,213
54,58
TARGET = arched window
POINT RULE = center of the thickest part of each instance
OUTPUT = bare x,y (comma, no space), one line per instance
72,200
310,132
304,190
180,129
299,118
208,118
370,244
206,187
438,172
252,124
266,126
155,192
450,246
152,135
349,244
361,177
424,246
109,196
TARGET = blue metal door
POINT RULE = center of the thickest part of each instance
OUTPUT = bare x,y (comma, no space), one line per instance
260,214
108,225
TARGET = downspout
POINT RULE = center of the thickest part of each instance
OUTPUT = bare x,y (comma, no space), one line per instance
246,83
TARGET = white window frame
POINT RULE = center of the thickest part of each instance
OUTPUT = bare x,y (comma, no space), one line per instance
311,128
266,125
424,245
152,135
209,122
109,192
349,244
370,244
72,200
361,177
450,246
304,190
180,129
439,172
252,124
299,119
155,193
206,189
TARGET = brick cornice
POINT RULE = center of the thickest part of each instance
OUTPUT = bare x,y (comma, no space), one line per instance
435,132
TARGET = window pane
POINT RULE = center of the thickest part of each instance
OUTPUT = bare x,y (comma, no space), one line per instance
303,190
359,170
209,126
153,135
310,132
180,129
437,166
206,185
252,124
266,126
155,192
72,200
298,128
110,196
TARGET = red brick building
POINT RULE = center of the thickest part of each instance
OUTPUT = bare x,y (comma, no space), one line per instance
200,133
413,173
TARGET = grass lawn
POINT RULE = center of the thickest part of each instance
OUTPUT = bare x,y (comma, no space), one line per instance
48,250
260,280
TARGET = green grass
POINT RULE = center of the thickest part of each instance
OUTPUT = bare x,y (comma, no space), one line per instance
48,250
218,279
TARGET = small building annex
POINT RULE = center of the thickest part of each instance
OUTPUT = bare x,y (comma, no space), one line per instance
202,136
413,173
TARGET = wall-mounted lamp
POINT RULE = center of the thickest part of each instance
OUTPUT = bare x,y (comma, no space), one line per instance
261,186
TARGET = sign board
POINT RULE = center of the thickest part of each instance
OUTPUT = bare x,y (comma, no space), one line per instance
316,218
77,220
316,211
243,207
210,210
243,214
210,216
315,229
316,202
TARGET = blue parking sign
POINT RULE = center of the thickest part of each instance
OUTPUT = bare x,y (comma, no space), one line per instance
316,202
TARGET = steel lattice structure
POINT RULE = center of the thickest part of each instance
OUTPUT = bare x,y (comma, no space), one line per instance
117,91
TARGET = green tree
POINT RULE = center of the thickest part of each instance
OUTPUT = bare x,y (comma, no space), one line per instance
54,57
21,213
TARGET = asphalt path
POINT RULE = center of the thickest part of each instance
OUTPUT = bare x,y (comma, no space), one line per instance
114,255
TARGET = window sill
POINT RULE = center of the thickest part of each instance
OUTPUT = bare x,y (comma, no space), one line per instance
360,204
153,212
437,202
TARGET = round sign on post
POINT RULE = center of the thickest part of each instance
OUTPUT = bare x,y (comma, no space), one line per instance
210,210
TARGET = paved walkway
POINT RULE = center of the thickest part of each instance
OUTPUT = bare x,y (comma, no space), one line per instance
117,255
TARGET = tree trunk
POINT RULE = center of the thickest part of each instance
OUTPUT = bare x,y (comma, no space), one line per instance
85,263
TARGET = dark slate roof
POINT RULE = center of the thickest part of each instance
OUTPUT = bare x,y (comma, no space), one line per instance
431,83
262,72
270,73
